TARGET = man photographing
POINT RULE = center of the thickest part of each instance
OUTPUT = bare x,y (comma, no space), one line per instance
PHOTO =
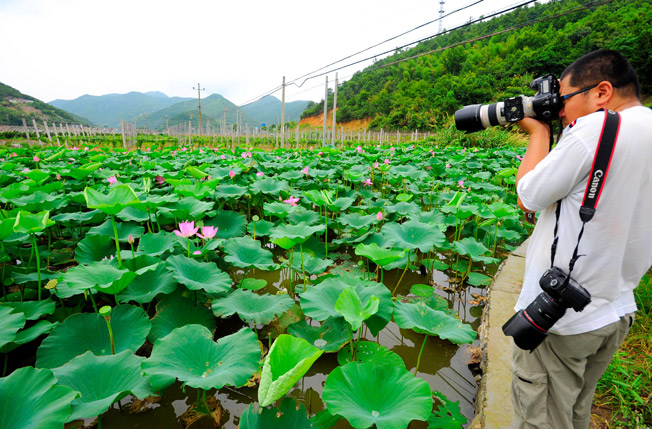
553,385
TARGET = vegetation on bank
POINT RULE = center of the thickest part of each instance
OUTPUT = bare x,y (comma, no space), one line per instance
421,92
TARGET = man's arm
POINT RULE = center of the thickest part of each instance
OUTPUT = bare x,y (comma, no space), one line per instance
537,149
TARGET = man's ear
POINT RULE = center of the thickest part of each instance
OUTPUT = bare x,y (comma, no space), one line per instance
604,93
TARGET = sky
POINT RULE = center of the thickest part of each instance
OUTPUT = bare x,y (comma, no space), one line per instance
63,49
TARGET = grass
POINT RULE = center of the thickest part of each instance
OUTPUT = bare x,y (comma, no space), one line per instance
624,395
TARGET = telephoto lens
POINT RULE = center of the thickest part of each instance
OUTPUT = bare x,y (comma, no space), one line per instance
529,327
477,117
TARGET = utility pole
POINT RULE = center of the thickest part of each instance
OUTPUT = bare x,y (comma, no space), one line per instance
199,89
441,15
283,115
323,137
334,111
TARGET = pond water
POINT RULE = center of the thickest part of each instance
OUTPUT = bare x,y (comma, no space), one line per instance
443,365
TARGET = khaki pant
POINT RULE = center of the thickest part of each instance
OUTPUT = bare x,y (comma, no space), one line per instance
553,386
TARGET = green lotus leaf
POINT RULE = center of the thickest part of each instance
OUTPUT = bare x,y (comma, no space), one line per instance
101,381
146,286
24,336
319,197
292,176
261,309
245,252
7,227
84,332
447,415
379,255
311,264
434,264
119,197
176,311
83,172
329,337
28,223
189,207
319,302
367,351
230,192
261,228
357,221
31,399
124,230
197,275
350,306
288,360
367,394
297,234
475,250
306,216
230,224
103,276
278,209
424,320
252,284
414,235
478,279
32,310
196,172
37,175
341,204
10,324
269,186
190,355
403,208
288,415
432,218
194,190
39,201
156,244
133,214
94,248
407,171
421,290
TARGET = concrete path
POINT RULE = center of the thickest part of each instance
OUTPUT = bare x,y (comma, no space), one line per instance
493,403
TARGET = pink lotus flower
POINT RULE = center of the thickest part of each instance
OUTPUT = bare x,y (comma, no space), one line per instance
159,180
75,148
186,229
58,176
305,171
244,155
260,174
448,165
379,216
367,182
231,174
112,180
36,158
197,252
475,149
130,239
460,183
223,157
375,165
208,232
200,150
519,157
428,168
320,153
25,170
292,201
359,149
386,161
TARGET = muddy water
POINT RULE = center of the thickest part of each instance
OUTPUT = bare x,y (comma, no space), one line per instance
443,365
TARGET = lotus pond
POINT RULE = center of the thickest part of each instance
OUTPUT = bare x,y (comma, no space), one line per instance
215,287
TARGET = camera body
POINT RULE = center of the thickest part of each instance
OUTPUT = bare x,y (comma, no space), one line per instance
544,106
564,289
530,326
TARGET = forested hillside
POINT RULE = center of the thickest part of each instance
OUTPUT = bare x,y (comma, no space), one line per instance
420,93
14,105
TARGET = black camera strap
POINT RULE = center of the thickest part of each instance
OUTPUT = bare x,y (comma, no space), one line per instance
599,170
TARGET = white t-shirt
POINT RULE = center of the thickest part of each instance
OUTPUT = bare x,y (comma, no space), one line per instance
617,242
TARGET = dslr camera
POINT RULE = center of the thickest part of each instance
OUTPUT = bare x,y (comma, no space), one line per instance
544,106
530,326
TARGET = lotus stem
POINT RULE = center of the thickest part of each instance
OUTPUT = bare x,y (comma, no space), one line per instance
117,242
303,271
423,346
348,328
495,238
93,302
404,270
38,264
326,231
106,313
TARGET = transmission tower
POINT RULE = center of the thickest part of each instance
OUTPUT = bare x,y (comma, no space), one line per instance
199,89
441,15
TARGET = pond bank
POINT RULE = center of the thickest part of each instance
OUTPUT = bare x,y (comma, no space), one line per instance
493,408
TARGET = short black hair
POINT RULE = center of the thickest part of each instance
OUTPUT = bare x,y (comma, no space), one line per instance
601,65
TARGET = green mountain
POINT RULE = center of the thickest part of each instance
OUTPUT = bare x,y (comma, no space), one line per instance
491,61
267,110
107,110
14,104
212,112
